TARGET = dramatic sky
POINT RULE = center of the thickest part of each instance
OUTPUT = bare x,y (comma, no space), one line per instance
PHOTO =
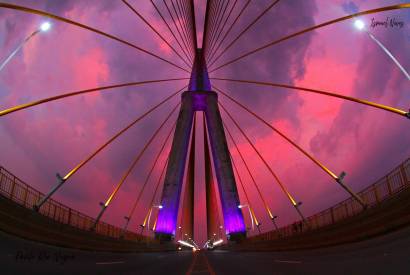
366,143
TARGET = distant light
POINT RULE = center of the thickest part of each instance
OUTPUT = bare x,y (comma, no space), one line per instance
240,206
160,206
218,242
359,24
185,244
45,26
179,248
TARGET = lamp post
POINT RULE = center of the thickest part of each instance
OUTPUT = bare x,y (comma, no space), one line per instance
221,231
360,25
180,232
43,28
250,213
273,219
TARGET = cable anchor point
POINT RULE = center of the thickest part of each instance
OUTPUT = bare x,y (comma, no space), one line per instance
97,220
353,194
60,182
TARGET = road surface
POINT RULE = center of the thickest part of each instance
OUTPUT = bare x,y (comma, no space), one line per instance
385,255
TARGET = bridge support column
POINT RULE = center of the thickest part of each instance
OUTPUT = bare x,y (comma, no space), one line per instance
212,215
207,102
187,211
199,97
233,218
167,217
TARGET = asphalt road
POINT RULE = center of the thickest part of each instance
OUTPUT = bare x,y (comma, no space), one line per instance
386,255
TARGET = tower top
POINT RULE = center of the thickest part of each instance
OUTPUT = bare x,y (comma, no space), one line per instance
199,75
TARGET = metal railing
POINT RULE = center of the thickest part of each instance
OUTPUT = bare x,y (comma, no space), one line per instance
396,181
386,187
18,191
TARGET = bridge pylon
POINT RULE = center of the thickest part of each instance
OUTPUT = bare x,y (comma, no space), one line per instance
199,97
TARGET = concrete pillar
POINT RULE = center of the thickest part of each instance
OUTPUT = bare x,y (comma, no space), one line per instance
212,214
171,193
233,219
206,101
187,211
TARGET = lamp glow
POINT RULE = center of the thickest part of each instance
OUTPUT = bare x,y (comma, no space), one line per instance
359,24
218,242
186,244
45,26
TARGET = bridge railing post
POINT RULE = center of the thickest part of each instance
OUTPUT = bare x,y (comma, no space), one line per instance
48,209
404,175
332,215
13,185
376,194
25,196
388,185
55,211
1,177
69,216
38,195
346,209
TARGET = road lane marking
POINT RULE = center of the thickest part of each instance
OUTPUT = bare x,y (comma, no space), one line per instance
197,266
211,271
103,263
288,262
191,267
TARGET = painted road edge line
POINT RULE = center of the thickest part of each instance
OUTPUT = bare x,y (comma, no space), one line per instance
288,262
103,263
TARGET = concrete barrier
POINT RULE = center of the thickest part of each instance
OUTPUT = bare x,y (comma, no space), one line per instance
28,224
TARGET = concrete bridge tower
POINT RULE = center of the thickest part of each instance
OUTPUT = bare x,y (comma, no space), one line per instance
199,97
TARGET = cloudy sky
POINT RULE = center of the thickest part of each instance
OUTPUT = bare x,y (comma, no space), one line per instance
366,143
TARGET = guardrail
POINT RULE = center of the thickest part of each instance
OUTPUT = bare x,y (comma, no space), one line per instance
385,188
18,191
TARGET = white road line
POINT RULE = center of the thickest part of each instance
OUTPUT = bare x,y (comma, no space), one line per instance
288,262
110,263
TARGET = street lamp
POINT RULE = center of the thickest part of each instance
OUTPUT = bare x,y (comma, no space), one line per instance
360,25
250,213
45,26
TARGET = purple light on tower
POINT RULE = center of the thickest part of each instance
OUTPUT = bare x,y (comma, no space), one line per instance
199,97
233,217
167,217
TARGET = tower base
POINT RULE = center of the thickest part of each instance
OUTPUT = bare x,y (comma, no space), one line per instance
164,237
236,237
